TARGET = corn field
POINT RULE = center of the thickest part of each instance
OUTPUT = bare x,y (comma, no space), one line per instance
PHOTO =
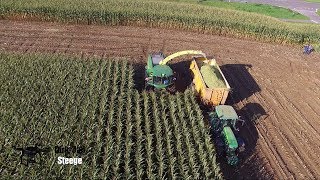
62,101
170,15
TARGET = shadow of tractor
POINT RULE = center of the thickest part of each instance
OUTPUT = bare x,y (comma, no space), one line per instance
254,112
243,85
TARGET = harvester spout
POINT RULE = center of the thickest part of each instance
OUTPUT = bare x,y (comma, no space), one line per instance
167,59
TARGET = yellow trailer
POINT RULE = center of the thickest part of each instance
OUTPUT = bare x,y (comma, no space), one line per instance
214,94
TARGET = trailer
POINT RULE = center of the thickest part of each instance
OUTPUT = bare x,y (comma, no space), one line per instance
210,95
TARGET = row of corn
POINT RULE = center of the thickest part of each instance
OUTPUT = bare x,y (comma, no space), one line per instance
61,101
165,15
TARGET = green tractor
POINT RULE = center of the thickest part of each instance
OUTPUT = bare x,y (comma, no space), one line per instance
159,76
223,122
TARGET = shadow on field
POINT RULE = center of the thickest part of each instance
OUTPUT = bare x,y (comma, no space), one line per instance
243,85
254,112
183,74
240,80
138,77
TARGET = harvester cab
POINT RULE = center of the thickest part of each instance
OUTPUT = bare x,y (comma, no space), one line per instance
158,76
224,123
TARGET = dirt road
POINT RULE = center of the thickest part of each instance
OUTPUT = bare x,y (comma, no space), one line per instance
275,86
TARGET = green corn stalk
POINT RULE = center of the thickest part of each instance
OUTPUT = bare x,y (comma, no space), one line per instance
202,154
190,150
168,139
183,169
149,137
139,139
159,141
128,140
165,15
208,145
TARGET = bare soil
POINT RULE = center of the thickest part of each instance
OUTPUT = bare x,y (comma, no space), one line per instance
275,88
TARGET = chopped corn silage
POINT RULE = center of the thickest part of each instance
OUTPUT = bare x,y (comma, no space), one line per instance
212,77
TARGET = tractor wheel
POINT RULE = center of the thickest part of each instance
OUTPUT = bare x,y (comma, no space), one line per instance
219,146
232,160
241,145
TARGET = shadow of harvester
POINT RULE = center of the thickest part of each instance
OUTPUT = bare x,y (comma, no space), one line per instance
243,86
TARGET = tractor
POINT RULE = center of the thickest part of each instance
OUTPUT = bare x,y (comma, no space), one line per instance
224,120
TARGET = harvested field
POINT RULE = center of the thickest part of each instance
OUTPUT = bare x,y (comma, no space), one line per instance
276,88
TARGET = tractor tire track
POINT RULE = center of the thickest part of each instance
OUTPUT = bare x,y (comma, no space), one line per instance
272,153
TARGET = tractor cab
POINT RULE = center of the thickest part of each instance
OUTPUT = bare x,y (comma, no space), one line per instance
157,75
224,115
